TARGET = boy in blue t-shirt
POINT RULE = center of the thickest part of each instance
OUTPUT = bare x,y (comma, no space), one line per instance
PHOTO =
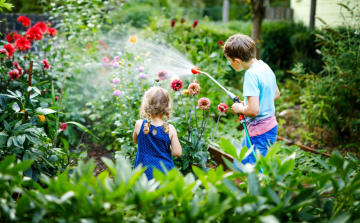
259,91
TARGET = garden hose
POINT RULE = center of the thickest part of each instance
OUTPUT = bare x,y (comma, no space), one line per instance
196,70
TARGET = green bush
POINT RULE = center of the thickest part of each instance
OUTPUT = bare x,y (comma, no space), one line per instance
138,16
295,191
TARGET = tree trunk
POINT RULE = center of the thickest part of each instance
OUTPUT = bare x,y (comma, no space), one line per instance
258,11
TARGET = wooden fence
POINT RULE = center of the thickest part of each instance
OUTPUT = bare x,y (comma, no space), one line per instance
279,13
11,24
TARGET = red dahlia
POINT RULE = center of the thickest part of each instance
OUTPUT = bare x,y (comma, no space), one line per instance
24,20
176,85
17,67
10,48
45,64
51,31
12,37
41,26
22,44
34,33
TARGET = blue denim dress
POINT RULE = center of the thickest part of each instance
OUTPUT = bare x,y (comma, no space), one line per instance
153,150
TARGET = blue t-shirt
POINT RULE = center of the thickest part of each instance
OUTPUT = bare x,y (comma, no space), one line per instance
260,81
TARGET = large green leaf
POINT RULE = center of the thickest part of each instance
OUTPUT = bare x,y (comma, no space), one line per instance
228,147
254,185
83,128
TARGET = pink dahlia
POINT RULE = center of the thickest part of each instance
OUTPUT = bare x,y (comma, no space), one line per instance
204,103
163,75
115,64
194,88
142,75
62,126
117,93
17,67
223,108
140,69
116,80
14,74
45,64
56,98
117,59
176,84
4,52
105,60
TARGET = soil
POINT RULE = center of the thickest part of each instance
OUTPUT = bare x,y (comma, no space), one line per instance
292,129
97,151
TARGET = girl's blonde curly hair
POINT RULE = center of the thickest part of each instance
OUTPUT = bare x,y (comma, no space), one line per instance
156,102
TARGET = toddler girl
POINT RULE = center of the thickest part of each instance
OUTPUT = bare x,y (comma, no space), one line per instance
157,140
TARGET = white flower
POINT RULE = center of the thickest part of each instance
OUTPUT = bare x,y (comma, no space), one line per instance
318,51
357,32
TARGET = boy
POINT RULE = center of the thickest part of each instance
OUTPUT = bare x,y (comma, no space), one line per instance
259,90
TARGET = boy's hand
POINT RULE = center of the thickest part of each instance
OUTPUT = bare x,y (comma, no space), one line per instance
237,107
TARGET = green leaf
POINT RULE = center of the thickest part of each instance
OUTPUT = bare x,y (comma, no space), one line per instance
274,197
6,163
269,219
34,140
254,185
336,160
7,126
83,128
66,143
342,218
40,83
44,111
109,163
15,107
226,145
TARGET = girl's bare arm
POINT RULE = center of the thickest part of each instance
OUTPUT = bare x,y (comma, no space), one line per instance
176,149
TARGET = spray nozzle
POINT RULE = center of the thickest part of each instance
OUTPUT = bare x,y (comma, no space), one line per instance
195,70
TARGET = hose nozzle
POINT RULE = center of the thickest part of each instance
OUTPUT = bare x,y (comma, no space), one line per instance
195,70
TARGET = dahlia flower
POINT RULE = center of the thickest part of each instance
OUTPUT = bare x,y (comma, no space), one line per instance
14,74
142,75
186,92
115,64
34,33
133,39
12,37
182,20
204,104
105,60
173,23
56,98
51,31
223,108
62,126
117,93
10,49
24,20
176,85
42,118
195,24
220,43
22,44
17,67
45,64
140,69
194,88
117,59
43,28
116,80
163,75
3,51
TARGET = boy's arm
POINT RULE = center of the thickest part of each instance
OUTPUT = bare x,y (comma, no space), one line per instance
250,110
277,93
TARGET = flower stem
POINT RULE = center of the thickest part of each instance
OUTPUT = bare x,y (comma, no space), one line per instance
182,102
214,131
195,111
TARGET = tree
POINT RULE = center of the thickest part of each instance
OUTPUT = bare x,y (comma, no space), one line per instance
258,14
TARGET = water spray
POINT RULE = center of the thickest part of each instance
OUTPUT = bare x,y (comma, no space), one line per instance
235,99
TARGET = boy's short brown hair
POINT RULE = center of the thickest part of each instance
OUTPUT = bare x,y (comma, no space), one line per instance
240,46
